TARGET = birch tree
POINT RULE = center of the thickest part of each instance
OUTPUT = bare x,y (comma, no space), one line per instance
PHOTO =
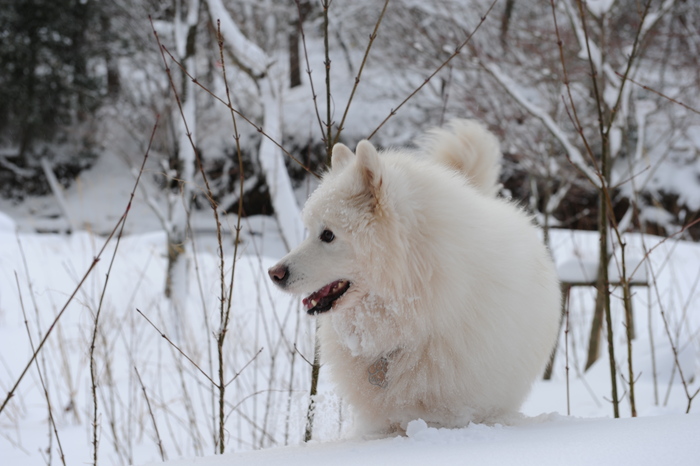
182,160
250,57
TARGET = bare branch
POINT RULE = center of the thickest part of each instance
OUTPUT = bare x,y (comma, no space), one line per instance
457,51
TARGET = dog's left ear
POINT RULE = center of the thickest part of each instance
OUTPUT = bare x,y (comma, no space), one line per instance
368,163
341,156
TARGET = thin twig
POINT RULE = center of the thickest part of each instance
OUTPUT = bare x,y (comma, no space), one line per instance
628,69
225,313
93,374
327,64
177,348
660,94
296,349
314,97
245,366
594,76
163,456
359,73
567,304
674,348
52,421
567,84
208,191
259,129
437,70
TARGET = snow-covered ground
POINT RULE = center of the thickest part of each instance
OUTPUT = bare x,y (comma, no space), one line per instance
548,440
268,339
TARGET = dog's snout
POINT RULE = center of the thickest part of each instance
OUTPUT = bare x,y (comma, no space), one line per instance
279,274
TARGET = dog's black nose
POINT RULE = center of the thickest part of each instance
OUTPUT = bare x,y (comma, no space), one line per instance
279,274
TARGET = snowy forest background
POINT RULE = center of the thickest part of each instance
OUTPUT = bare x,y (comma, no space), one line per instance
212,120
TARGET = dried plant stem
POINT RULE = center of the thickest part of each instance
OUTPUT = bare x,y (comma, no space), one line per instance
207,327
652,350
93,342
62,311
327,64
566,304
225,313
44,387
163,456
208,191
177,348
674,347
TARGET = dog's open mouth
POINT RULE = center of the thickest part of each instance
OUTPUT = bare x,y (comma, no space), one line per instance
322,300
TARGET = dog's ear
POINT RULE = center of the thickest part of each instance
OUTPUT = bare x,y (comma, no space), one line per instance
368,163
341,156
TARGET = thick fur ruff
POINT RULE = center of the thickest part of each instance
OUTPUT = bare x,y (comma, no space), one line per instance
452,306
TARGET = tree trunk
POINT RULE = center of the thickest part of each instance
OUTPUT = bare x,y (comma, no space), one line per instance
597,323
304,8
113,79
505,21
180,203
294,67
287,211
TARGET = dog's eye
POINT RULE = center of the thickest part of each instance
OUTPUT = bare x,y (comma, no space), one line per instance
327,236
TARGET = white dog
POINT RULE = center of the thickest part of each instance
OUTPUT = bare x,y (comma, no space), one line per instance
436,300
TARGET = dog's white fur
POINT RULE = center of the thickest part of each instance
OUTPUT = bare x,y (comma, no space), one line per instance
449,284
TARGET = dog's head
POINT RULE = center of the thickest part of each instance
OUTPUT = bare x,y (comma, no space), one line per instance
350,221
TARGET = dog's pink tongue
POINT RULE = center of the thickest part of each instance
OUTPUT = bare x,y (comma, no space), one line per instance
316,296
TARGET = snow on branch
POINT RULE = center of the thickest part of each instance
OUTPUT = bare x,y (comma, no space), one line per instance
599,7
248,54
652,18
588,46
16,169
252,57
516,93
281,193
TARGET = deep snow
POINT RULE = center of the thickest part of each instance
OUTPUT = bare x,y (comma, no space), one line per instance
548,440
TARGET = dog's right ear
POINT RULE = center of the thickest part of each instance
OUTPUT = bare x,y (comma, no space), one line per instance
368,162
341,156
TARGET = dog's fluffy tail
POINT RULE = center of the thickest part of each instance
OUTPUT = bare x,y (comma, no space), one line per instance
468,147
